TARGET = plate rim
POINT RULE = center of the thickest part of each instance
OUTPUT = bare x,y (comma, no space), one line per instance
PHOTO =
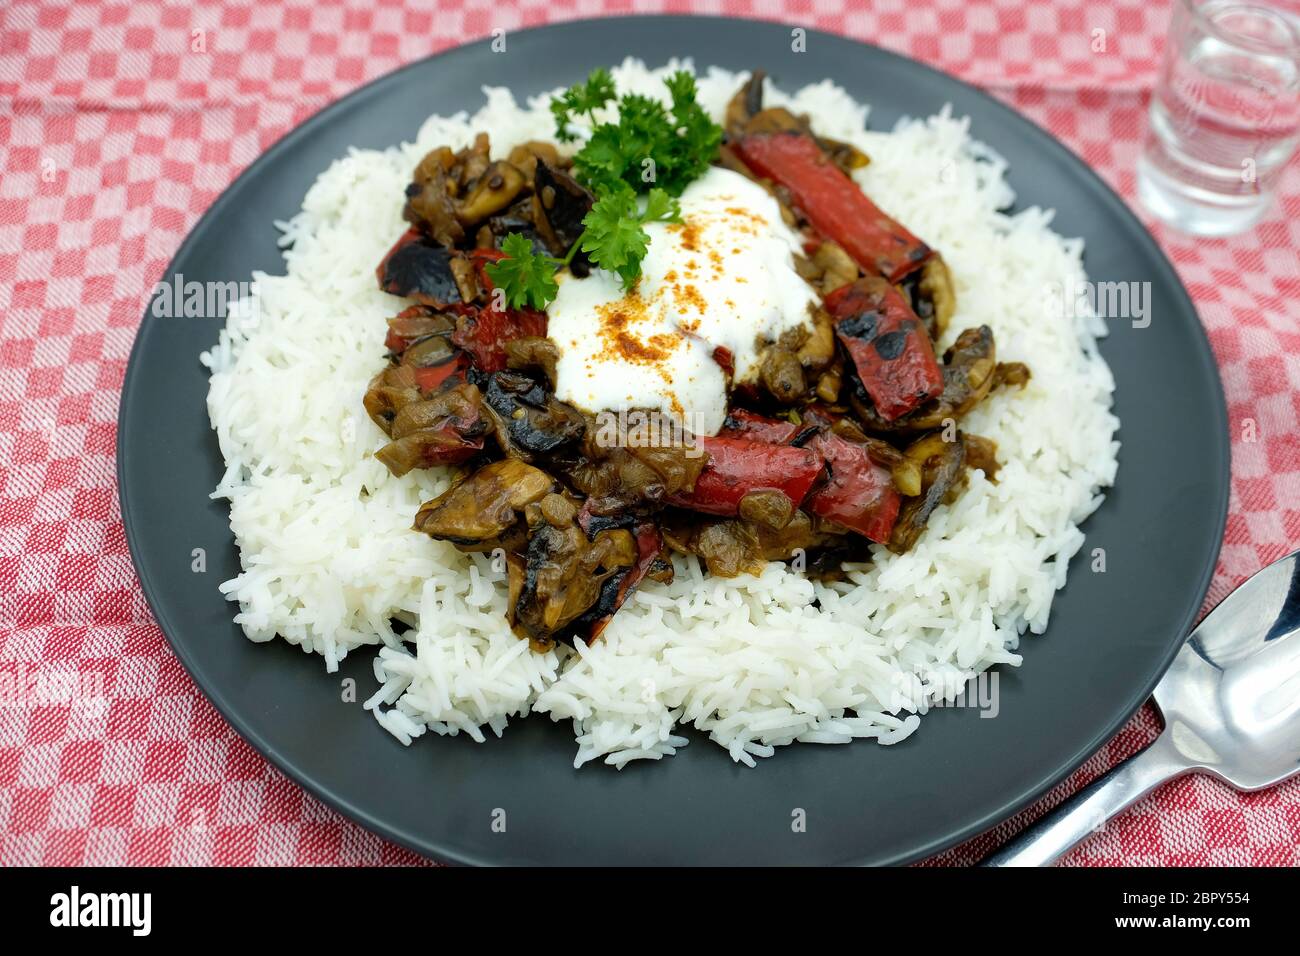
1221,454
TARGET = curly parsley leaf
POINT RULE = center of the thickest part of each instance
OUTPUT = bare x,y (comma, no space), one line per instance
582,99
615,238
698,137
661,207
526,277
650,145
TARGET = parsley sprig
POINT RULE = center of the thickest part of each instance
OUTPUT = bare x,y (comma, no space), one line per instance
615,238
652,150
527,278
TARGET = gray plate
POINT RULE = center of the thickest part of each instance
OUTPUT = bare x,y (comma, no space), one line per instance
1111,635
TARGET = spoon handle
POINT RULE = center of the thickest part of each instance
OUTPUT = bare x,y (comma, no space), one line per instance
1087,811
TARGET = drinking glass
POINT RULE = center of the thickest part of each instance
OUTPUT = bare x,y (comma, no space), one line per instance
1224,117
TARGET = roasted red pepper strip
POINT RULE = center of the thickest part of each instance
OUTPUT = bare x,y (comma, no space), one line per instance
484,332
738,466
888,344
833,203
741,423
858,494
432,377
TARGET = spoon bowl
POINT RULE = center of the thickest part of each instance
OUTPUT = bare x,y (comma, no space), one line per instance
1231,706
1231,700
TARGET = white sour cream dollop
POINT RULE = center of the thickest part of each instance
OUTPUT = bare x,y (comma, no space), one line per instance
723,277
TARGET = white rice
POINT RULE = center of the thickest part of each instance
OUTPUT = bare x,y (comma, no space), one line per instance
755,662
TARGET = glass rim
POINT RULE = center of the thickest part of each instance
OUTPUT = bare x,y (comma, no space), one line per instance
1291,27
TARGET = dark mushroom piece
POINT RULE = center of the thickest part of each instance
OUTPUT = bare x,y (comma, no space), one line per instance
419,268
516,220
533,353
942,465
781,373
559,205
430,198
732,546
388,392
651,564
620,479
530,421
485,505
563,572
982,453
447,429
935,288
747,101
929,291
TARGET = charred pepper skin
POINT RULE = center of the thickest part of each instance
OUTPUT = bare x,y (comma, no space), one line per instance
888,345
858,493
835,206
420,269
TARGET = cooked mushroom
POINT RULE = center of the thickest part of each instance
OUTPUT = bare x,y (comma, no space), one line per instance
782,374
936,291
430,198
524,157
496,189
1012,373
617,477
388,393
485,505
533,353
564,574
834,266
747,101
982,453
559,205
942,466
529,420
445,429
729,546
818,348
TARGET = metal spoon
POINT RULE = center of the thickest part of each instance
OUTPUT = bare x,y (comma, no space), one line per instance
1231,704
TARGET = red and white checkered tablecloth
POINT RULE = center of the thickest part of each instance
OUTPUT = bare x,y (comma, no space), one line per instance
115,135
